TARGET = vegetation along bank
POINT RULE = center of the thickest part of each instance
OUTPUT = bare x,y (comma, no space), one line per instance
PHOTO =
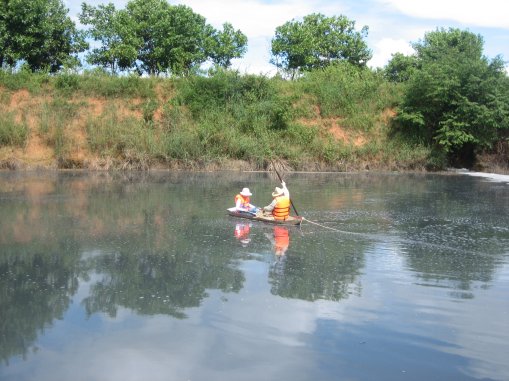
146,100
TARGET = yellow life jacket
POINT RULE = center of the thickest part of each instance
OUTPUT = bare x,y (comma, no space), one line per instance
282,209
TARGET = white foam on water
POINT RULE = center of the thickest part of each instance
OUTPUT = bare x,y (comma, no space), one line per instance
490,176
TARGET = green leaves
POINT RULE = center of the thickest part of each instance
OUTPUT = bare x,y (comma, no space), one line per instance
317,42
225,45
460,96
39,32
118,50
154,37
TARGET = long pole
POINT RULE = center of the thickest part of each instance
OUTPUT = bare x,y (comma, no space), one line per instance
280,179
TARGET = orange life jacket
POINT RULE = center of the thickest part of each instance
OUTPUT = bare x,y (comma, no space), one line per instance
282,209
244,200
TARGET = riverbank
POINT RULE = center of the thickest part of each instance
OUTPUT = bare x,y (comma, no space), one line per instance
225,122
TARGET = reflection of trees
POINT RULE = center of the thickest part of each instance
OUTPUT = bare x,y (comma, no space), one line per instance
448,229
152,257
329,274
159,282
36,286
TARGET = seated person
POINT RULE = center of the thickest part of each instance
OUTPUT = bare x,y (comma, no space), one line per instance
243,202
279,208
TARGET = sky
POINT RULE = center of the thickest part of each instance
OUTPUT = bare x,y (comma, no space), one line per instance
393,24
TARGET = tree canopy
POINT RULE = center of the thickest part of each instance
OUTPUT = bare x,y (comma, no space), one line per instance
226,44
456,99
118,42
155,37
318,41
40,33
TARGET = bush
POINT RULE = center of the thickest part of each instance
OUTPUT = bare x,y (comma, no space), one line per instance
23,79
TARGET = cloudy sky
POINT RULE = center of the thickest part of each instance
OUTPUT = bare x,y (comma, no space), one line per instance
393,24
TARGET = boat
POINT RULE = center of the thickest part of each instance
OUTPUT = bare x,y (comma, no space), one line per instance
291,220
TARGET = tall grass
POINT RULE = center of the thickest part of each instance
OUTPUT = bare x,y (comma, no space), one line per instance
55,118
11,132
356,94
23,79
225,116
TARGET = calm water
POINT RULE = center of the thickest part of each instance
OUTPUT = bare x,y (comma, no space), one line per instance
144,277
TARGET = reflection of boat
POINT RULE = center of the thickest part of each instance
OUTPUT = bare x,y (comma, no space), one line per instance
291,220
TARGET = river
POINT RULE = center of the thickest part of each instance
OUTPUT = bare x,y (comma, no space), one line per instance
143,276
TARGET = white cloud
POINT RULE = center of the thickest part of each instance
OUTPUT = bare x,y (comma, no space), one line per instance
487,13
254,18
384,49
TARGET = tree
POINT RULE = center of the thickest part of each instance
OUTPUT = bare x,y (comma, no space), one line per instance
226,45
400,67
186,45
171,38
40,33
456,100
119,44
155,37
317,42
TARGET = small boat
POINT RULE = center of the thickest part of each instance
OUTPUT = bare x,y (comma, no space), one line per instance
291,220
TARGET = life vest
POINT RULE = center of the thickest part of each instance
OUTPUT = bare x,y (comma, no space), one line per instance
282,209
244,200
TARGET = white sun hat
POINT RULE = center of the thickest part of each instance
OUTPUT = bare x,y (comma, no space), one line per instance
246,192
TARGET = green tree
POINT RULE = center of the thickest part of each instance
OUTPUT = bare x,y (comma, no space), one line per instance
400,67
457,99
317,42
39,32
118,50
171,38
226,45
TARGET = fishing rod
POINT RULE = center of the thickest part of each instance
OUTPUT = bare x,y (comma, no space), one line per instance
280,179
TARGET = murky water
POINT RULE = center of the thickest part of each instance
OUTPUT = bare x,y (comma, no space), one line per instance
145,277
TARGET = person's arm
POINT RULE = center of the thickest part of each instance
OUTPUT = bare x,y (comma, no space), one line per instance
286,192
270,207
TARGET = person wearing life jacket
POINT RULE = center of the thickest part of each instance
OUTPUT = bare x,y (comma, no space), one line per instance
279,208
243,201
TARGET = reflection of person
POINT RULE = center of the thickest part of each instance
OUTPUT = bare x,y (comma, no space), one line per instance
280,240
243,201
242,233
279,208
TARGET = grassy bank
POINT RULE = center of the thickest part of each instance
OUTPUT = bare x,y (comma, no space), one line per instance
337,119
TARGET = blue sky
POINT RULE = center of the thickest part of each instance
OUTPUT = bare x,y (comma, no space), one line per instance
393,24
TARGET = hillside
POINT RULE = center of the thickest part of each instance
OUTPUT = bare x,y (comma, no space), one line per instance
228,121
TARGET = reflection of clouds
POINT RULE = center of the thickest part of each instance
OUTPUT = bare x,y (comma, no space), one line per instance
475,329
280,320
251,336
482,333
254,335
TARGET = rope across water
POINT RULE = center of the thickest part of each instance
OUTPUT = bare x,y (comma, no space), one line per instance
328,227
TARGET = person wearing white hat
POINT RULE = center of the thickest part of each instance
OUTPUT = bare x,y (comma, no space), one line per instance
279,208
243,202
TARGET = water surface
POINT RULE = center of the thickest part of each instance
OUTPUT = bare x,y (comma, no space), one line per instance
144,277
